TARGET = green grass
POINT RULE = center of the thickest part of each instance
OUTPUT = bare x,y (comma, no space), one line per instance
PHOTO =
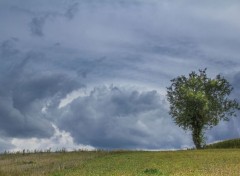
38,164
124,163
233,143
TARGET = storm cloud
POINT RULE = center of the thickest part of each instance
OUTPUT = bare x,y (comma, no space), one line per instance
98,71
112,117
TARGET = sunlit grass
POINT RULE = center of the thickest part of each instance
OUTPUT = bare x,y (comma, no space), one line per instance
203,162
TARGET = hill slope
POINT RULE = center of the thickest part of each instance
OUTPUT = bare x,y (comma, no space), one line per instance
232,143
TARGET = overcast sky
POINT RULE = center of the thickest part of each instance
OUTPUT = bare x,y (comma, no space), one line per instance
93,73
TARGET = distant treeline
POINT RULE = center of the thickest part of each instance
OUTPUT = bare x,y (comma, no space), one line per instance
233,143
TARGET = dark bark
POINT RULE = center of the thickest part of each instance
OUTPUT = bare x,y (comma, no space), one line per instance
197,132
197,137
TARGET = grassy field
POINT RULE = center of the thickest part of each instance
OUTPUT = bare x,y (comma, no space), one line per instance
123,163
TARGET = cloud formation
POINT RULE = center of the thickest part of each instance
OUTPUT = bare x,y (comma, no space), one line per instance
113,117
59,59
60,140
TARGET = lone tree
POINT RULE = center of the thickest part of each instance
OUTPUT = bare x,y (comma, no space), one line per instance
198,103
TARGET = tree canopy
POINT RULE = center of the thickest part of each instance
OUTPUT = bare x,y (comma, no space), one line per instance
198,103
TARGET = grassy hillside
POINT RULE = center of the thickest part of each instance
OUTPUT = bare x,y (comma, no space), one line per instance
233,143
38,164
124,163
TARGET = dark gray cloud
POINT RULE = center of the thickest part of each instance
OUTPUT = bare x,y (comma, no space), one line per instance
36,26
40,87
8,47
26,92
37,23
235,82
15,124
72,10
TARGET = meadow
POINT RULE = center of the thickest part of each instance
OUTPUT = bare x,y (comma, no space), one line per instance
208,162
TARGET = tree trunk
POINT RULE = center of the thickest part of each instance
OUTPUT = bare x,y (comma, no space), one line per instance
197,137
197,134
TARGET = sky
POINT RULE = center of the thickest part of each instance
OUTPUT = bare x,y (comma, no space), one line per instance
90,74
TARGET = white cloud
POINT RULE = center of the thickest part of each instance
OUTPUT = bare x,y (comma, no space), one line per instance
72,96
60,140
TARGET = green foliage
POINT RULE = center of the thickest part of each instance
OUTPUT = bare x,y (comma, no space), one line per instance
152,172
233,143
198,103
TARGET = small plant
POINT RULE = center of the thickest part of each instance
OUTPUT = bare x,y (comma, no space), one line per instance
153,171
63,150
28,162
57,174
